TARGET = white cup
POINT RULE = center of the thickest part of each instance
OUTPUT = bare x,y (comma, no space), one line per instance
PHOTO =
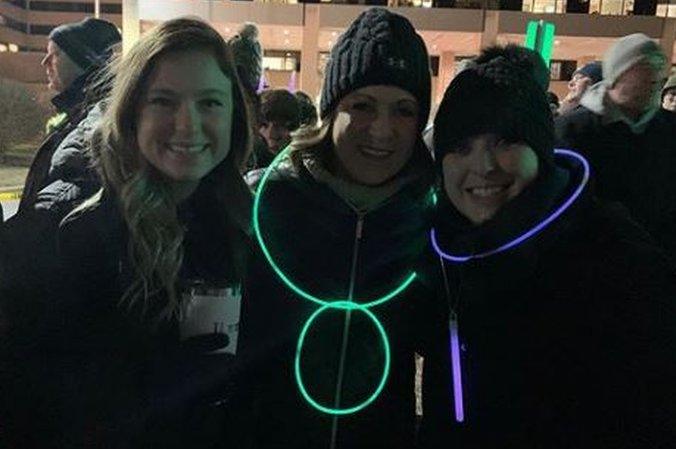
212,311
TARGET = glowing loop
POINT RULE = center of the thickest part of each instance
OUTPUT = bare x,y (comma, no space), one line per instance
531,232
336,303
287,281
345,305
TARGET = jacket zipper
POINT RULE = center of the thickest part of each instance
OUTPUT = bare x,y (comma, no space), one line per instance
346,327
454,343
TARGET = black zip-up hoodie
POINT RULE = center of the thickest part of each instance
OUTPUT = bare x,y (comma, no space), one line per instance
333,251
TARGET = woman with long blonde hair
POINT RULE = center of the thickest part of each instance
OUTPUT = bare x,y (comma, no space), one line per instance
151,264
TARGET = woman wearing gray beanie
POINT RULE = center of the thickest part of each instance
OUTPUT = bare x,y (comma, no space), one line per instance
340,218
559,310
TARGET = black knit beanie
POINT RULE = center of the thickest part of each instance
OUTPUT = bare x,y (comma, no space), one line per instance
379,48
88,42
495,97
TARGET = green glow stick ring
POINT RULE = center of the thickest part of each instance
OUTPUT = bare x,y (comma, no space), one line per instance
268,256
324,303
345,305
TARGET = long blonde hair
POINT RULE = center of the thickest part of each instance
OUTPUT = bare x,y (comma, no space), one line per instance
156,236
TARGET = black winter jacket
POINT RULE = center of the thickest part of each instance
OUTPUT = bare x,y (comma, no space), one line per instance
80,369
328,249
638,170
71,101
566,341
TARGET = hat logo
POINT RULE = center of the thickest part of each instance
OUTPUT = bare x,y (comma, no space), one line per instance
396,63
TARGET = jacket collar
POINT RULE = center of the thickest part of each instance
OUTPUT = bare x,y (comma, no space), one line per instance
70,100
364,199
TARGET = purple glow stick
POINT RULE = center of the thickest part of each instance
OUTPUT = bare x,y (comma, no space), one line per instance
531,232
457,373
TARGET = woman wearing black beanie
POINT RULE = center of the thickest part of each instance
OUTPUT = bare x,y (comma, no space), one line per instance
340,218
559,310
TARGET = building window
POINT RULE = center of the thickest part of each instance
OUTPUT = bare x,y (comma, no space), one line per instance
666,10
544,6
13,24
562,70
109,8
434,65
18,3
322,61
281,60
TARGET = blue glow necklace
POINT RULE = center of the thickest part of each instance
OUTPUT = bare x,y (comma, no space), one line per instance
453,321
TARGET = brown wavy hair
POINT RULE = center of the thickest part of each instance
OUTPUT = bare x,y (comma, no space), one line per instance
156,236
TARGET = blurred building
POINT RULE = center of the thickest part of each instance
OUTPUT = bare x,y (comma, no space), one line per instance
298,36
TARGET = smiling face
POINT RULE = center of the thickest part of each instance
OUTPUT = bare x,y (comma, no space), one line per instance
374,133
185,116
486,173
61,70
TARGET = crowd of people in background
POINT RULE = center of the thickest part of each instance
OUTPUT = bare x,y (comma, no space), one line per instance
199,262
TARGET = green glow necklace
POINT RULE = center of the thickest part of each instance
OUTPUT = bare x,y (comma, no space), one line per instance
326,304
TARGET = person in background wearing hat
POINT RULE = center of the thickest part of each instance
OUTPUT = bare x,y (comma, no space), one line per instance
582,79
560,310
343,214
629,140
669,94
74,52
279,117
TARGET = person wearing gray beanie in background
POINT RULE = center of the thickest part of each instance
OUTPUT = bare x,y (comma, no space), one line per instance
75,51
629,140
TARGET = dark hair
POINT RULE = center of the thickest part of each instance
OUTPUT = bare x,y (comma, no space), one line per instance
280,105
308,111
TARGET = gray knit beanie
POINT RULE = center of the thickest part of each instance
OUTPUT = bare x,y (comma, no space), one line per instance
627,52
